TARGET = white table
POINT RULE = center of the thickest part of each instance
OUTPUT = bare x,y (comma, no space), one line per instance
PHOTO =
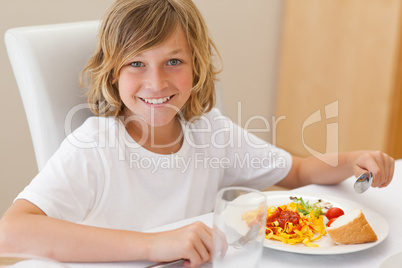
386,201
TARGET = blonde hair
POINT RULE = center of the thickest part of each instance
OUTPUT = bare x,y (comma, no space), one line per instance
134,26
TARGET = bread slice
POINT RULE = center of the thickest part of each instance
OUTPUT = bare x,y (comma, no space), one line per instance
351,228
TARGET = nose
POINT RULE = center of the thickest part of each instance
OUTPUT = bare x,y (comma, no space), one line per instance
156,79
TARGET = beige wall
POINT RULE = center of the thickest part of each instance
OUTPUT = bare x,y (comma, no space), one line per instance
246,33
344,67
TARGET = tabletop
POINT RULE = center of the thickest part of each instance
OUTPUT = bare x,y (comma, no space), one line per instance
384,201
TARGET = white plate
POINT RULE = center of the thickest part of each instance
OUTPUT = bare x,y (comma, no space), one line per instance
392,261
236,208
326,245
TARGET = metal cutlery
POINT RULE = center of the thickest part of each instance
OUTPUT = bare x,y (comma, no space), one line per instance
363,182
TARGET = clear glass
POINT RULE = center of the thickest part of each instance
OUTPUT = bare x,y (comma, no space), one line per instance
239,212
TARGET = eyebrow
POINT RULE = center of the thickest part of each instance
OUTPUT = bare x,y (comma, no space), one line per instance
176,51
172,53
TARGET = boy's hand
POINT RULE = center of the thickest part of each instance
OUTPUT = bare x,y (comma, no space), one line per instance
380,164
192,243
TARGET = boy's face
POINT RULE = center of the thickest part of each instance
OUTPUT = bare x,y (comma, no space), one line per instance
155,84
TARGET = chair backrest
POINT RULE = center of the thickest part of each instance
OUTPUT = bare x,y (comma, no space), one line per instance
47,61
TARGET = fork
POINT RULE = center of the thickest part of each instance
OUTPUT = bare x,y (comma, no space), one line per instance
250,235
238,244
166,264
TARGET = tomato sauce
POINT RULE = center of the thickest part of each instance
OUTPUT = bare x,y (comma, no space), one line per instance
282,217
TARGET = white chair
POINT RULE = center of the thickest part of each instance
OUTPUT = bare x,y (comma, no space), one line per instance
47,61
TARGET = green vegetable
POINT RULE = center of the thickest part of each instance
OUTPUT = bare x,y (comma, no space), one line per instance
307,208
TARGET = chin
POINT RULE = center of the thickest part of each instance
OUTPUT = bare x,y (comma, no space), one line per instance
159,122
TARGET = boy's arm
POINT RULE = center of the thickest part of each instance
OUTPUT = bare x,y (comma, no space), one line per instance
25,228
312,170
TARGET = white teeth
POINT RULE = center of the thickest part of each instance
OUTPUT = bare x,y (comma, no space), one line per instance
157,101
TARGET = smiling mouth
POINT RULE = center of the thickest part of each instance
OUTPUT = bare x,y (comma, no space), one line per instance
156,101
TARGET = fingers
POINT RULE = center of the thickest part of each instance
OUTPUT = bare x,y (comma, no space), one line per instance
392,169
380,164
199,244
221,245
193,243
389,165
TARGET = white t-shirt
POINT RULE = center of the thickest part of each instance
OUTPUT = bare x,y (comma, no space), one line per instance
101,177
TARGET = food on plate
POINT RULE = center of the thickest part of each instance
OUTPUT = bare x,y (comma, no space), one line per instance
330,222
319,208
351,228
254,216
295,222
325,206
334,213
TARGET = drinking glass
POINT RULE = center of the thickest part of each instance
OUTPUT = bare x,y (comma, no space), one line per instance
239,226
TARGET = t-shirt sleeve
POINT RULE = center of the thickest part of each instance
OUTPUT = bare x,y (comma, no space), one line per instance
68,185
256,163
252,162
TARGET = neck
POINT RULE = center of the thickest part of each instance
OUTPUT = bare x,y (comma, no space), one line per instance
164,139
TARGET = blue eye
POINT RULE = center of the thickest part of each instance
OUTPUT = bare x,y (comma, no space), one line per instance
137,64
174,62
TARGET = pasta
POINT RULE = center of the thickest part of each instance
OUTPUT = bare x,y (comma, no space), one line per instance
286,224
